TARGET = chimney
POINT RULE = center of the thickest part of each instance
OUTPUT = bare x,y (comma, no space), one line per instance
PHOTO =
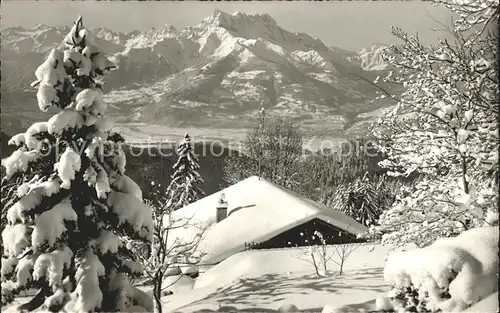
221,208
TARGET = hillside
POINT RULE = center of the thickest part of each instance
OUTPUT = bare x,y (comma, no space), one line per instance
215,74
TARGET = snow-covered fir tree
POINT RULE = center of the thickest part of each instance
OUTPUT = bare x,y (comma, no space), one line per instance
73,208
184,188
173,255
445,127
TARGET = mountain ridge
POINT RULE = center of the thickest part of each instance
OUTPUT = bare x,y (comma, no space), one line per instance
225,69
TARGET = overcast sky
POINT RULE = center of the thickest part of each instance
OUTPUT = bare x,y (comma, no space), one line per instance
349,25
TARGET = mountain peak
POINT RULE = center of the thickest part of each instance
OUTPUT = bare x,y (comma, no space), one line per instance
216,18
170,28
238,19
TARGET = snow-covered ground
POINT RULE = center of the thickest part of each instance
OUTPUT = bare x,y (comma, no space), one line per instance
263,280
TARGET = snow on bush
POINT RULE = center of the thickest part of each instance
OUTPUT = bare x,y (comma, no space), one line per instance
102,182
85,98
8,265
50,266
93,146
108,242
47,188
50,225
15,239
65,120
18,212
29,138
120,160
452,273
98,108
443,129
35,129
8,288
67,167
130,210
51,72
46,96
18,161
104,124
125,184
90,176
133,267
24,271
87,295
16,140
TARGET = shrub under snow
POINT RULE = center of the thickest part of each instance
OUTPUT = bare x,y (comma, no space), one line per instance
449,275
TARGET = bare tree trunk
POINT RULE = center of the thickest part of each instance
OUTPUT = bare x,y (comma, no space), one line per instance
325,259
158,308
314,263
157,282
464,175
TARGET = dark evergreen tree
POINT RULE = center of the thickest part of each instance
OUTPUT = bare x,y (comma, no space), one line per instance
185,185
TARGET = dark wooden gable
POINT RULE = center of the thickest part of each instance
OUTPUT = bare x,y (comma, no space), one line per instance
303,235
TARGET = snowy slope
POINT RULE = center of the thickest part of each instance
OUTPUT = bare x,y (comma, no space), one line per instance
282,261
264,280
214,73
264,209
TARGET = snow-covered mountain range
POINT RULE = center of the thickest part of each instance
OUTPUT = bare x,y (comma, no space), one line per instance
218,73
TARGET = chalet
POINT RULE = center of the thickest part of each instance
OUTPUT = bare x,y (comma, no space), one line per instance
259,213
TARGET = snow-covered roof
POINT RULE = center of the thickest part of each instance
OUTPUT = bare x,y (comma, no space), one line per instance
257,211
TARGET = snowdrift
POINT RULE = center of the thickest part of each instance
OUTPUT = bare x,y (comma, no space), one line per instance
283,261
465,267
264,280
